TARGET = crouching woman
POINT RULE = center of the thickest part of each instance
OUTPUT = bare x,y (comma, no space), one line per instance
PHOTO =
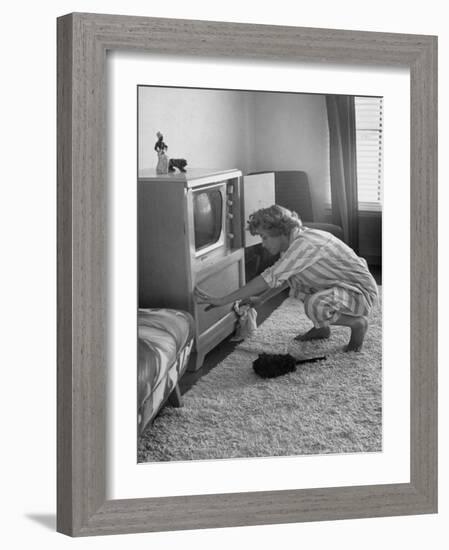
334,283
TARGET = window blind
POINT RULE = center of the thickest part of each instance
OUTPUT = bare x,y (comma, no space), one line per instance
369,141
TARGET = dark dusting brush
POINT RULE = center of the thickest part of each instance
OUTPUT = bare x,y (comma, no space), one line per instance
270,366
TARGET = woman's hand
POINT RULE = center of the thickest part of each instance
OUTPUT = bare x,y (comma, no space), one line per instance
252,301
204,298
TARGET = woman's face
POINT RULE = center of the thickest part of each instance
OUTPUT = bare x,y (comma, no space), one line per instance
274,245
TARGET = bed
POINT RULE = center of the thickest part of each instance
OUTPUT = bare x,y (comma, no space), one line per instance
165,340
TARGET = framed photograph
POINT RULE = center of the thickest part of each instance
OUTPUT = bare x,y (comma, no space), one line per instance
172,134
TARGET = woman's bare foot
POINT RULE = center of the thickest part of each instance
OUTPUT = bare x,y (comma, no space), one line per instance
314,334
358,331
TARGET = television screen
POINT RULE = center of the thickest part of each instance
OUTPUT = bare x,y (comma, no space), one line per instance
207,212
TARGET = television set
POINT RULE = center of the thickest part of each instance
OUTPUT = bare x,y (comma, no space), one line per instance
190,233
208,214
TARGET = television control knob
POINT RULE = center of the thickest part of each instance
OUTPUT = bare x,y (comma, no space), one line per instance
230,235
230,189
230,203
230,216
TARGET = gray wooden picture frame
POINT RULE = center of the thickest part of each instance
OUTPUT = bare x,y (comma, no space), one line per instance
83,41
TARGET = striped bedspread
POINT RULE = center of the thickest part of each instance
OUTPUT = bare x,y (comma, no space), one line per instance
165,339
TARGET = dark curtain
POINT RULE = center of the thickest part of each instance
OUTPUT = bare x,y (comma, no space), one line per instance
343,166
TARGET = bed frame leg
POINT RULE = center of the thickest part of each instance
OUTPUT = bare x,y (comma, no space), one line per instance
175,399
196,361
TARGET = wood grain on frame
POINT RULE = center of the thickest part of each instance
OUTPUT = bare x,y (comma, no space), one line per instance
83,40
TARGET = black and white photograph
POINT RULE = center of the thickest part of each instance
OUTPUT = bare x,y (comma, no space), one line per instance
259,238
227,254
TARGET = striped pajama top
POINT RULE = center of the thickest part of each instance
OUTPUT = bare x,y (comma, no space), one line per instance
317,260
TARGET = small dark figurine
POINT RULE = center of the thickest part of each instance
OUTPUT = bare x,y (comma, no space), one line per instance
180,164
271,366
160,146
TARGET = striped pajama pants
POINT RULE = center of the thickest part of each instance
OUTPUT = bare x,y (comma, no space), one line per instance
324,307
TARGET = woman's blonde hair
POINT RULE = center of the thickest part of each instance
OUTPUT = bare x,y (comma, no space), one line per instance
276,220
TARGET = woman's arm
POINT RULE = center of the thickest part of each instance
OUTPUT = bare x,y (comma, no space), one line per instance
265,296
255,286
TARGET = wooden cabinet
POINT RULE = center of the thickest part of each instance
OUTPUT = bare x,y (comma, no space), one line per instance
170,261
258,192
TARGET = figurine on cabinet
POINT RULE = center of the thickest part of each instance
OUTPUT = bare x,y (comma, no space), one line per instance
160,147
180,164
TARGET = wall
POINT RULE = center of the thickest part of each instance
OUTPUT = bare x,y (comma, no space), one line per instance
370,237
209,128
291,133
252,131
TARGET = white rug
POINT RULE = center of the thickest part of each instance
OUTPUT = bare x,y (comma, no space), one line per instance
334,406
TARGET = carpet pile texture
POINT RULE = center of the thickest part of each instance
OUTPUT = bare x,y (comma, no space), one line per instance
334,406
